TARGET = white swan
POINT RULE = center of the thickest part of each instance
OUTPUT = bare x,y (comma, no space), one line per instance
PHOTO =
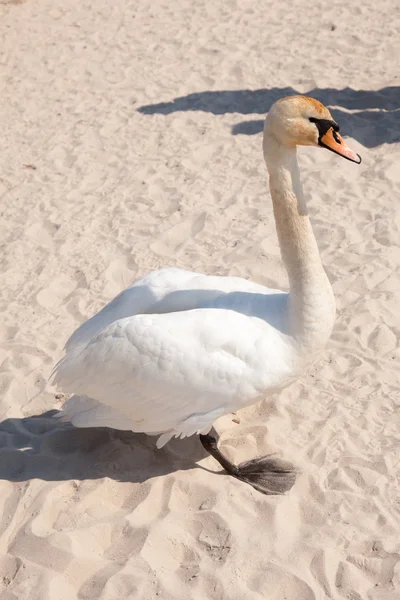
178,349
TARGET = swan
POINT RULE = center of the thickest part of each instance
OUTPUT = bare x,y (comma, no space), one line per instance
177,349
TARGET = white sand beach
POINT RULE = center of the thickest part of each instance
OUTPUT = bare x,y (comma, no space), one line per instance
131,140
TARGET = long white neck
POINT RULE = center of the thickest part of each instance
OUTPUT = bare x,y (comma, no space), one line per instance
311,305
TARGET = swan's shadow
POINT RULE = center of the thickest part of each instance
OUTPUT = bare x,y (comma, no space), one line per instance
375,122
42,448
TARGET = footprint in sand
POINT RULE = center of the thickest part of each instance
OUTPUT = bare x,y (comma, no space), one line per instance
117,276
43,233
55,294
279,584
214,535
174,239
382,340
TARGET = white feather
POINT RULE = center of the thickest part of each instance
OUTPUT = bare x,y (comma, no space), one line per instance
174,352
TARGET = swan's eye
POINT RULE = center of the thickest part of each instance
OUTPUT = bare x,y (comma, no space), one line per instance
312,119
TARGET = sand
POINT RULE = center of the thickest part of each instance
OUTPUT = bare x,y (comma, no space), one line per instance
130,140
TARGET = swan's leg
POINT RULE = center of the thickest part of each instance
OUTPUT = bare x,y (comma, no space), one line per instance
268,475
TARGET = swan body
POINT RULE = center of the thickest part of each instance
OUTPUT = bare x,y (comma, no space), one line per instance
178,349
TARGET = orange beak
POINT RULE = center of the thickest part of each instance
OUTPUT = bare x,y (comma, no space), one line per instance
334,142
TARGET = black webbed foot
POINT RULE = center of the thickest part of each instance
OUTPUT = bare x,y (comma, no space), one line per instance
268,475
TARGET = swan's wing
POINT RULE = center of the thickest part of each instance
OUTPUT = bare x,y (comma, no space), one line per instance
175,371
141,297
162,291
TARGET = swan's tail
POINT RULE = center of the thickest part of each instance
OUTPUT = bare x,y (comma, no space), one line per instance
83,411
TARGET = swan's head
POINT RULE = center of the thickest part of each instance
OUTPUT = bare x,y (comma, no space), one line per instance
303,121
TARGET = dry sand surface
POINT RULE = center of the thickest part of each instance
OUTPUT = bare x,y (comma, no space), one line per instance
130,139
